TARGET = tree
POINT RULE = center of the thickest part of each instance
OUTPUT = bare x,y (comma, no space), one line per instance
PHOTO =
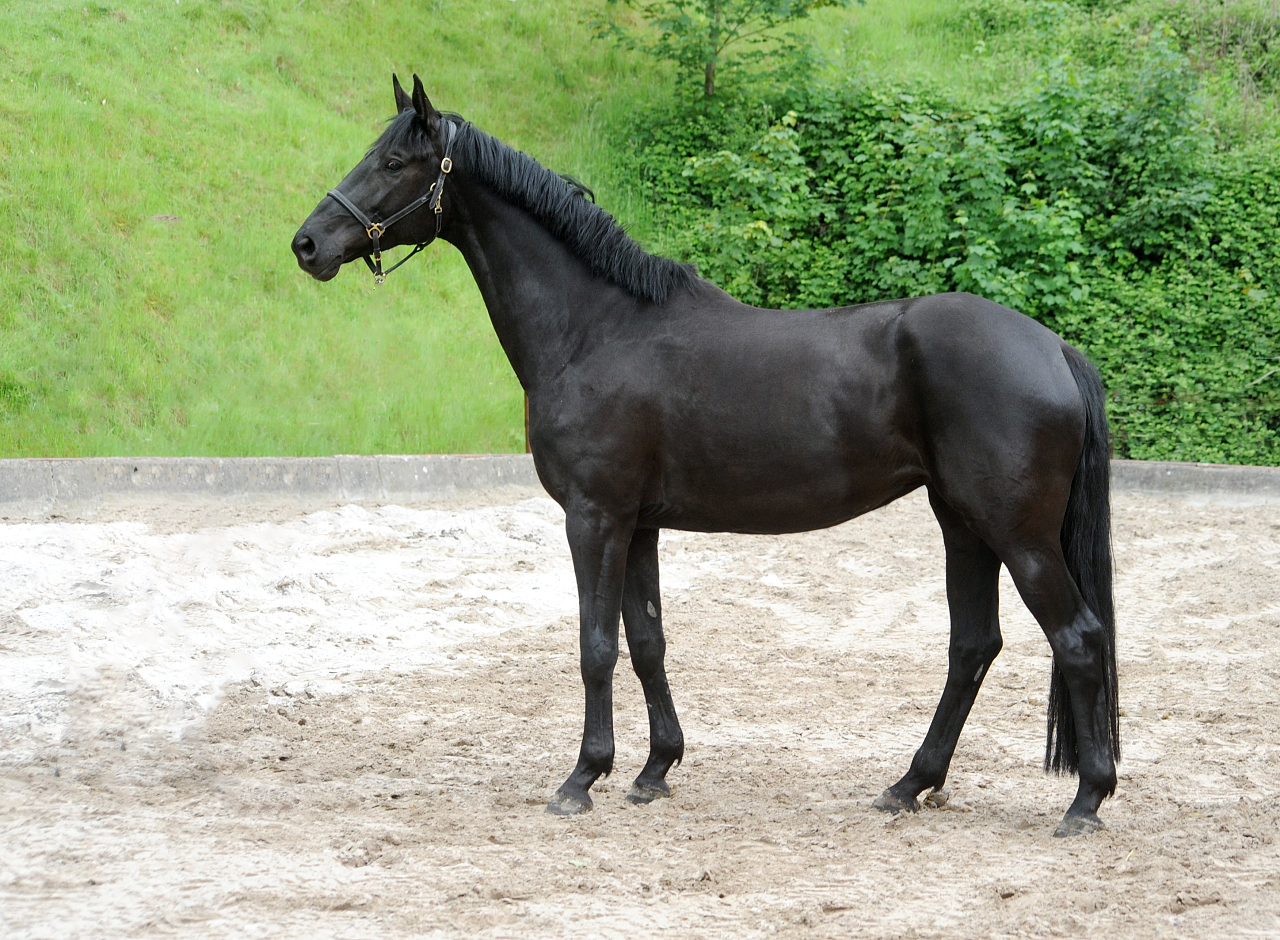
695,34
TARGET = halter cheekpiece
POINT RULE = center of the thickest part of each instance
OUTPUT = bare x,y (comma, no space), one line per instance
375,230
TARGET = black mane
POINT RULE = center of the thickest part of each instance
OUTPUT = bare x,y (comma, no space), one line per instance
560,204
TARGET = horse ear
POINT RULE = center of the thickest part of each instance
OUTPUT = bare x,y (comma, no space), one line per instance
427,114
403,101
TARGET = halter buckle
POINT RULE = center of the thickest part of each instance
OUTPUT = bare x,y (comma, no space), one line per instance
446,165
375,230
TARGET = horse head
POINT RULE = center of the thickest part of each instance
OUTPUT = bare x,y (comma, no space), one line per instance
391,197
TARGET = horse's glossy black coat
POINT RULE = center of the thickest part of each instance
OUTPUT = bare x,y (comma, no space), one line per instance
657,400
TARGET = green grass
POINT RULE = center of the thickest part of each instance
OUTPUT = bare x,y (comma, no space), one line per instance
909,39
127,334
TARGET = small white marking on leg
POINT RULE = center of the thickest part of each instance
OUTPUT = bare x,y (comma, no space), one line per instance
653,611
977,676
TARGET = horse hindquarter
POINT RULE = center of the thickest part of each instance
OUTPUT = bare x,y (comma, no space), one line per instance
1006,407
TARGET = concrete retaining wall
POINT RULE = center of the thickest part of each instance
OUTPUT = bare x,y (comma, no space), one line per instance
48,485
1210,482
40,485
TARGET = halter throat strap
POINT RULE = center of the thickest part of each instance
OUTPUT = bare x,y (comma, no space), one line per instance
375,230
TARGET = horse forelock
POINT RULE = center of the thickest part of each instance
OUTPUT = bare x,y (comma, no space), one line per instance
591,233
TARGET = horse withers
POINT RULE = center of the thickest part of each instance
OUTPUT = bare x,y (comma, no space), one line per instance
657,400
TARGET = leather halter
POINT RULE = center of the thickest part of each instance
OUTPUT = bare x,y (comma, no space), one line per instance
375,230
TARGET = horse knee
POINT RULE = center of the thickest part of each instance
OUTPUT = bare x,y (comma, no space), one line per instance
648,655
598,661
598,671
974,659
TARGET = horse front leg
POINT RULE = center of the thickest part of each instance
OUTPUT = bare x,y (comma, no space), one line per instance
973,597
642,617
598,542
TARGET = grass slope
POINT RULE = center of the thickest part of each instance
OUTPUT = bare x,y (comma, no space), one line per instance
124,333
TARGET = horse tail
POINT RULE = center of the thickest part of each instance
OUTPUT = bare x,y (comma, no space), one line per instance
1086,545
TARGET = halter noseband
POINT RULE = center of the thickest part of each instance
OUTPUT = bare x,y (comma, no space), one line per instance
375,230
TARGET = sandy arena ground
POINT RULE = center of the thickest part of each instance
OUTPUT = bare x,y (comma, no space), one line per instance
221,723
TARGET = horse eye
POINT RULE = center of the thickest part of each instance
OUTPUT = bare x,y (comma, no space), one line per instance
393,165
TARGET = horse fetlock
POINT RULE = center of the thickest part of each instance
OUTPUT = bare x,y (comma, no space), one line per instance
656,768
928,771
592,764
1100,782
591,767
1090,794
665,753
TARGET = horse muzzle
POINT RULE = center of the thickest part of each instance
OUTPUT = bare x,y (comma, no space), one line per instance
317,263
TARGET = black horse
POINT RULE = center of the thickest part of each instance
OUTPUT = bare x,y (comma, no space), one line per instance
657,400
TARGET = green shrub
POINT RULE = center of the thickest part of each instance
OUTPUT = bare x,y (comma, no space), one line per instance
1094,201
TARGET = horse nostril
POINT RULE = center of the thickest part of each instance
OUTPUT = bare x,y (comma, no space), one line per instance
304,247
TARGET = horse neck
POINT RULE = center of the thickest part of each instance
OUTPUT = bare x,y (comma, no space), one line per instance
545,303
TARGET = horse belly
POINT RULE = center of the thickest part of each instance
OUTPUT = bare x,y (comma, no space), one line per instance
773,489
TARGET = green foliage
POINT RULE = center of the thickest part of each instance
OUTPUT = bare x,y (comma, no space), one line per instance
1235,44
1191,347
697,34
1242,37
1094,200
125,332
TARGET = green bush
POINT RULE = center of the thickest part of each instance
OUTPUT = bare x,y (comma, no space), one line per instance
1094,201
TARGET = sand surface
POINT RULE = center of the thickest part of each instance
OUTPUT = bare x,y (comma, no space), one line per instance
346,724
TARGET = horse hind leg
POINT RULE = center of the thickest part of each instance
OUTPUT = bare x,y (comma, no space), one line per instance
642,617
973,597
1082,656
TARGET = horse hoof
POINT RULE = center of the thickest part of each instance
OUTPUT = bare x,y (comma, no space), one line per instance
641,793
936,799
1072,826
890,802
562,804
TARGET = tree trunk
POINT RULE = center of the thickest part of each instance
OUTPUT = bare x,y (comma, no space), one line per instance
713,49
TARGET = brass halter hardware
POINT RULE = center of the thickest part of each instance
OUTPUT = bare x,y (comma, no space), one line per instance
375,230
